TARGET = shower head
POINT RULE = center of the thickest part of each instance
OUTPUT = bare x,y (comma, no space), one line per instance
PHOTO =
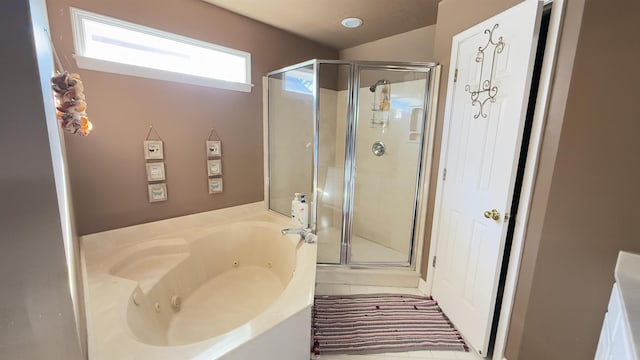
373,87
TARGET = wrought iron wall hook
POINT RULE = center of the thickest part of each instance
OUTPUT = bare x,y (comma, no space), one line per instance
485,90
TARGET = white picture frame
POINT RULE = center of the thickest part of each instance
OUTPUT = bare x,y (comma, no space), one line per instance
215,186
214,148
157,192
153,150
155,171
214,167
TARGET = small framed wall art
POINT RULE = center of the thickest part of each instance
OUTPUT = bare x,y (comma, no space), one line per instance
153,150
214,148
214,162
154,167
157,192
155,171
214,167
215,185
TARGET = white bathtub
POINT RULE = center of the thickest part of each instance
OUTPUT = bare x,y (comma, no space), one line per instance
219,285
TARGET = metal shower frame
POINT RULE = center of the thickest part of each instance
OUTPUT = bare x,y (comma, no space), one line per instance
432,71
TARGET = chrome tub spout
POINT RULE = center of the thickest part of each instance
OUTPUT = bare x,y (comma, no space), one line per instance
305,234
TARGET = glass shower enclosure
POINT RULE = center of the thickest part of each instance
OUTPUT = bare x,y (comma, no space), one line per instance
351,136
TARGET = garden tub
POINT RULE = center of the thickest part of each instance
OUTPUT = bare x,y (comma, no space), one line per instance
225,284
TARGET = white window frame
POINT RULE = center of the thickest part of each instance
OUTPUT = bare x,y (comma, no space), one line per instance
89,63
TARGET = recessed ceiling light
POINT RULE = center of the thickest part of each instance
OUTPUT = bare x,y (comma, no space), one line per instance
351,22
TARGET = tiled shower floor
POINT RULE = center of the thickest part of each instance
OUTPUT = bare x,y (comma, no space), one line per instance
362,250
333,289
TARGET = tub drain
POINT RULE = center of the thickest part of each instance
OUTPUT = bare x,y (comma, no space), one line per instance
235,263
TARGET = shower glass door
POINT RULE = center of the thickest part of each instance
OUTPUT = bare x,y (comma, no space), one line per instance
333,117
386,153
290,135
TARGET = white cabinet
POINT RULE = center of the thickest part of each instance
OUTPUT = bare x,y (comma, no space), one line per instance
617,340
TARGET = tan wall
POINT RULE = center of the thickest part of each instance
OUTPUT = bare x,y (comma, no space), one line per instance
592,207
38,318
415,45
568,42
107,168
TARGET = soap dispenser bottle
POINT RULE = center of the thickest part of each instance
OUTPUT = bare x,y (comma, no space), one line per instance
302,215
295,204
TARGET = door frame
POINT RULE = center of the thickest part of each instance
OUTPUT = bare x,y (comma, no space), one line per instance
528,181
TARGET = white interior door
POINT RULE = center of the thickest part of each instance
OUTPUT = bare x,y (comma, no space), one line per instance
489,83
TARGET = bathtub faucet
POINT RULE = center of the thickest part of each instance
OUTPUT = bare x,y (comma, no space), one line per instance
305,234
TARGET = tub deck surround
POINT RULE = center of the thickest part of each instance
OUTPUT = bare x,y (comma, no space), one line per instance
225,284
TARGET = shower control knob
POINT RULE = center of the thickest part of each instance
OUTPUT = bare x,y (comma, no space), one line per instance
378,148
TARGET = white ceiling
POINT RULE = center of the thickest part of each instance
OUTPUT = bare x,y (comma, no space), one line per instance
319,20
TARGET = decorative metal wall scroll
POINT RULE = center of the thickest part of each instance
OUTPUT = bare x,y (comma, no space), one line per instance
486,90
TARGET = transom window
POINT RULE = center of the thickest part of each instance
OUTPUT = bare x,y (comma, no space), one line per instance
300,81
111,45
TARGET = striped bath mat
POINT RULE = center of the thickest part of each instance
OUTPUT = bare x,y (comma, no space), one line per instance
379,323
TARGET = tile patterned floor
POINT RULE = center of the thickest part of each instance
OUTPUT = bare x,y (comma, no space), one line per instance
362,250
333,289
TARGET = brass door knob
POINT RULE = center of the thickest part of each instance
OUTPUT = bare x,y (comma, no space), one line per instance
492,214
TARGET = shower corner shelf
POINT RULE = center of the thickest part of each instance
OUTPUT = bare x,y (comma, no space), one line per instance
380,117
